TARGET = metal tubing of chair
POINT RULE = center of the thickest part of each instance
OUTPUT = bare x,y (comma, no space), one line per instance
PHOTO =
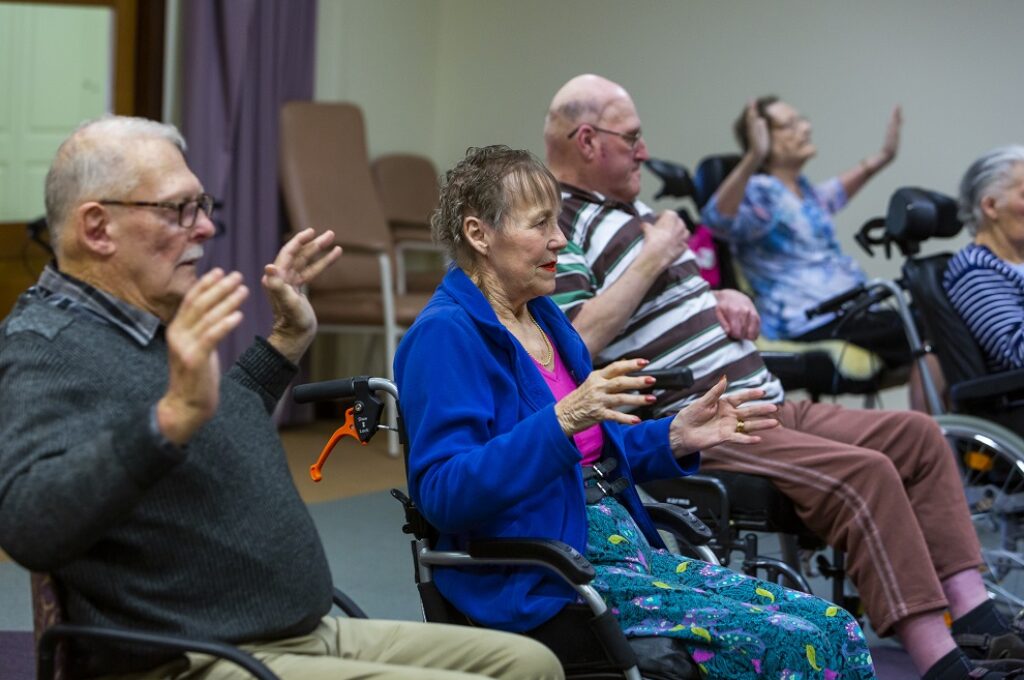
390,332
913,340
707,554
423,571
244,660
780,566
400,283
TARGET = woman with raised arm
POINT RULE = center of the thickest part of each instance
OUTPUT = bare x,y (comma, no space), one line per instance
779,227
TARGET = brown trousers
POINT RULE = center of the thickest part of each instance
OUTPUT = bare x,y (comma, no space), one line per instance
881,485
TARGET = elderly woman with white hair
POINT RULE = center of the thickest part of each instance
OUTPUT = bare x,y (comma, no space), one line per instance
985,280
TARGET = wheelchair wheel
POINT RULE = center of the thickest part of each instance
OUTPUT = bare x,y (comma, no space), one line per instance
991,461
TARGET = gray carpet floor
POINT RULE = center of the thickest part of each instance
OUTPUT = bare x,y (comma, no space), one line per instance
370,560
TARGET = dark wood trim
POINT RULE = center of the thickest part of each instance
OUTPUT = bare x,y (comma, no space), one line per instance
149,59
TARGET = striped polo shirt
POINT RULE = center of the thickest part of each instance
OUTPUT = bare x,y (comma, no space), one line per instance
675,324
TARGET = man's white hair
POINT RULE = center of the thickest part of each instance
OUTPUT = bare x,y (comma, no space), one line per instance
992,173
94,162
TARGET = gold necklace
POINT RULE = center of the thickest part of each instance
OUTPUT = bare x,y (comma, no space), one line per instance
549,351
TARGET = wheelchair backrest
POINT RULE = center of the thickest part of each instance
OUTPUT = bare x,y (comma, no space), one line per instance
710,174
958,353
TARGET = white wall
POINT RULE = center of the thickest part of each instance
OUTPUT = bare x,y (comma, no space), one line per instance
691,65
436,76
489,68
382,55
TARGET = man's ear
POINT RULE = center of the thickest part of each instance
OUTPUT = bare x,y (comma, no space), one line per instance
476,235
584,140
92,229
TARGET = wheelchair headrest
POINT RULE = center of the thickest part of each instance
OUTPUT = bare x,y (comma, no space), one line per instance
914,215
919,214
710,174
675,178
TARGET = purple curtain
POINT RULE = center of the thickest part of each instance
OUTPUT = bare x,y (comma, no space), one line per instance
243,59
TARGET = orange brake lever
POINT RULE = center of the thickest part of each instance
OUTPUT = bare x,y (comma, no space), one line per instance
348,429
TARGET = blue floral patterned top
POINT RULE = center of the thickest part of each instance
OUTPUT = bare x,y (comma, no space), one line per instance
787,249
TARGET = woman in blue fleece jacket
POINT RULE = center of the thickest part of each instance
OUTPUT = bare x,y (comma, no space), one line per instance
502,407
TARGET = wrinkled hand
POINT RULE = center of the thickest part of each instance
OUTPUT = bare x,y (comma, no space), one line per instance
664,241
892,135
759,140
208,312
713,419
601,394
737,314
300,261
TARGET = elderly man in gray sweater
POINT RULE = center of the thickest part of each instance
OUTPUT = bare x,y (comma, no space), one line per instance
154,488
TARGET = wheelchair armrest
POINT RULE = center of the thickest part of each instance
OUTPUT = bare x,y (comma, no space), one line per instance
679,521
810,362
48,644
988,386
785,362
557,555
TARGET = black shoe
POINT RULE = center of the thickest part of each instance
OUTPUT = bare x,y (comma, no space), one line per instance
985,646
997,669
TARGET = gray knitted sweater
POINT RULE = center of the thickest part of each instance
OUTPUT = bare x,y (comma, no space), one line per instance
209,540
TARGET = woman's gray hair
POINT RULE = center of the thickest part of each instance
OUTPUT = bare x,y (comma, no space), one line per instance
487,183
95,162
987,175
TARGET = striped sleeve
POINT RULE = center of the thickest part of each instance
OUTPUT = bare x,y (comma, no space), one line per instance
989,296
574,280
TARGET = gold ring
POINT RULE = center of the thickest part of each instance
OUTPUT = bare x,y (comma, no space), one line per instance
740,425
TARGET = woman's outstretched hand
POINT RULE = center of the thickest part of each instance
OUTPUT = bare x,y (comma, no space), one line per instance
716,419
891,143
759,142
603,392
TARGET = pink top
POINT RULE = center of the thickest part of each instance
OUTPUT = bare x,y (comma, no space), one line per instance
590,441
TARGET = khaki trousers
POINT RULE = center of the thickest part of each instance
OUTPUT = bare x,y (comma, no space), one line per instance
350,649
882,486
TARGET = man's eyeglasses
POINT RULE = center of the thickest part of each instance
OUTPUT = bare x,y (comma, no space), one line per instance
630,138
188,210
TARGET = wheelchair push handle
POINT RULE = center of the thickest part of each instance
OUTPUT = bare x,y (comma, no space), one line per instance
342,388
362,419
833,303
852,301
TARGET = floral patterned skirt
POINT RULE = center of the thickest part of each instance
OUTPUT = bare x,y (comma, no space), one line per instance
734,626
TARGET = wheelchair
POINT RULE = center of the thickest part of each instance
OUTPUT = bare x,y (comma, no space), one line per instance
987,417
586,637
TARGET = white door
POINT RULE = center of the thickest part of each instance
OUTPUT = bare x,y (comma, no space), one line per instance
56,67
